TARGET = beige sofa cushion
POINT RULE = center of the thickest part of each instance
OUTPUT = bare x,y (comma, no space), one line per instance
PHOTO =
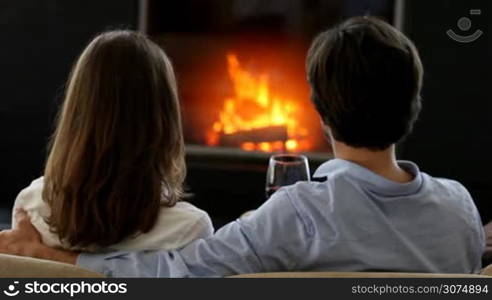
487,270
18,267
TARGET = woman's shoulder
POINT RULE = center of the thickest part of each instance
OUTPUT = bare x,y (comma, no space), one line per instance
31,195
184,214
30,200
175,227
186,208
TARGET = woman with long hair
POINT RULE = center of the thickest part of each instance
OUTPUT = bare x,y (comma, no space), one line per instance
113,178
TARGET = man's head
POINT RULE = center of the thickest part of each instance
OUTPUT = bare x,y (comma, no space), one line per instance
366,78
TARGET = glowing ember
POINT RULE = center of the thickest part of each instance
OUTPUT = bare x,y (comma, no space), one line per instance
253,107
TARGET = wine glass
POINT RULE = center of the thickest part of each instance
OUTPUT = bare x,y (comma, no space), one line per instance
285,169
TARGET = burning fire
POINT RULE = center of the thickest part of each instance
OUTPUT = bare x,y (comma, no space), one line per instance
254,118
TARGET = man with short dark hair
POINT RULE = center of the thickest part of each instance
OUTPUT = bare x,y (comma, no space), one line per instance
365,78
366,211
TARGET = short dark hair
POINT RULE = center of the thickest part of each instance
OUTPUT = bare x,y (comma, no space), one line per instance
366,78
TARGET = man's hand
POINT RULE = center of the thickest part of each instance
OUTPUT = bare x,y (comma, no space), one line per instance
25,240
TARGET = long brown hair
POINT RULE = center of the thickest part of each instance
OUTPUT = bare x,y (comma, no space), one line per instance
117,154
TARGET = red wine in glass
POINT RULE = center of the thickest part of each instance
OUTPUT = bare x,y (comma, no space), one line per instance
285,169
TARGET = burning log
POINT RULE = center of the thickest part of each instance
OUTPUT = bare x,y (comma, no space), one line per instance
267,134
253,105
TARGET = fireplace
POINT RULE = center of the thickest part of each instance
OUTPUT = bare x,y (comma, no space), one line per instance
247,95
240,69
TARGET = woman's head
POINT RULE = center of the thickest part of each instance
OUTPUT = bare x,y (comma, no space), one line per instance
117,152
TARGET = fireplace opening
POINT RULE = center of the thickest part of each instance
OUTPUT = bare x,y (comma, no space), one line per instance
240,67
251,95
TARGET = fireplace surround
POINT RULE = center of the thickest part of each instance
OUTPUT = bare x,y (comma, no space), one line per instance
240,67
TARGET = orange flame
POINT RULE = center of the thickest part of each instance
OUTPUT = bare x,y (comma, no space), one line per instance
252,107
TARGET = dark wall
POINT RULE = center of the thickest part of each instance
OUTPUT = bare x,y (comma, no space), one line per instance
453,137
39,41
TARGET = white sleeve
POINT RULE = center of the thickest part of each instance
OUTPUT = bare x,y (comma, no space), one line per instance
203,228
19,202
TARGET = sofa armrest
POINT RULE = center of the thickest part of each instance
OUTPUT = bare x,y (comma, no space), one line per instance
21,267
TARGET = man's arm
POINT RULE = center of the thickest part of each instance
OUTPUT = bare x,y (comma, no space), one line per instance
228,252
273,238
24,240
45,252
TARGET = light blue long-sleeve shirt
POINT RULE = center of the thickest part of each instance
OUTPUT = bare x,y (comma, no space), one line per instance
355,220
